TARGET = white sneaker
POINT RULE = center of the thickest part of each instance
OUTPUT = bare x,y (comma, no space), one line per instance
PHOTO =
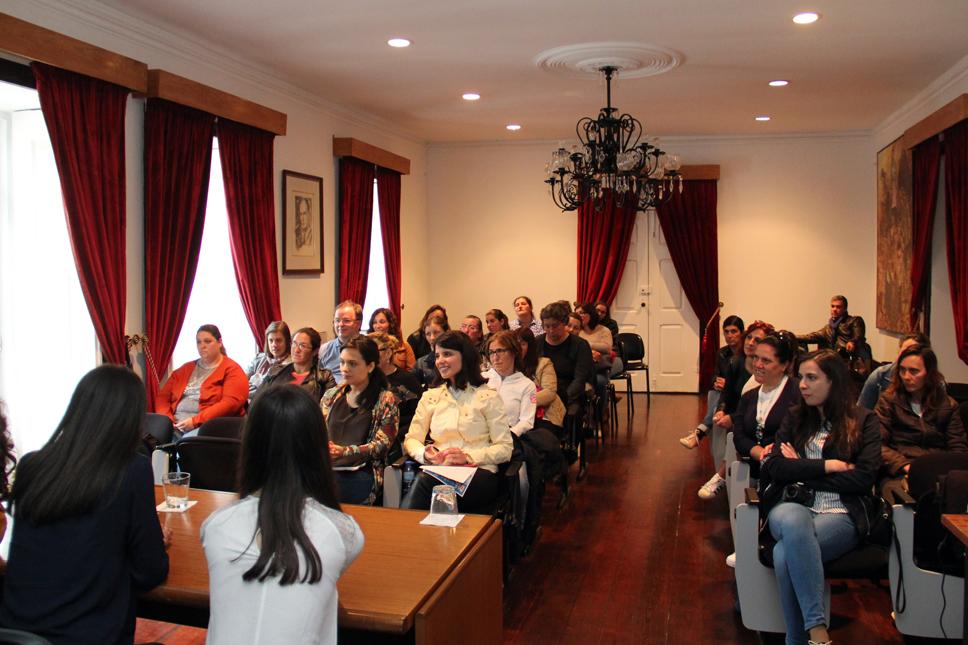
731,560
713,487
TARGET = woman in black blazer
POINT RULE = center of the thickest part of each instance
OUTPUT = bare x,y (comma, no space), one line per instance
762,409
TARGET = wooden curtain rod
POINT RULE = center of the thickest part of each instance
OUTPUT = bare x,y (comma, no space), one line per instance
349,147
937,122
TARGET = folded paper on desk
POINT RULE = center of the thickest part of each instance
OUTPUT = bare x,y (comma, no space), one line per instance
442,519
457,476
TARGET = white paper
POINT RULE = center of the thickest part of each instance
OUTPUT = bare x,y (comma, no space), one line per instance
442,519
460,474
164,508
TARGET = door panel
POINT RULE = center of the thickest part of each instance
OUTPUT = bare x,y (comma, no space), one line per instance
630,308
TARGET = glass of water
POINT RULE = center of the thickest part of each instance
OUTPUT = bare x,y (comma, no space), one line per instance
443,501
176,489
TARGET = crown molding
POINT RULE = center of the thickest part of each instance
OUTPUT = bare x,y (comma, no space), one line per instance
139,33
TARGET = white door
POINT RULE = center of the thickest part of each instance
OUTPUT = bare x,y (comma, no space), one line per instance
630,308
673,350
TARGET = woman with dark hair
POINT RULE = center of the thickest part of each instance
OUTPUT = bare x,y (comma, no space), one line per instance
605,318
524,311
404,386
363,417
86,539
465,422
505,377
275,555
495,320
733,335
830,450
738,382
917,417
213,386
276,352
597,335
425,369
574,325
304,369
416,340
384,321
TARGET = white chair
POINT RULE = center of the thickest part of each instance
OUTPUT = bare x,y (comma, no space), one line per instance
920,610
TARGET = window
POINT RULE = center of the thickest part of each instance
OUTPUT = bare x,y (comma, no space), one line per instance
47,340
215,292
376,282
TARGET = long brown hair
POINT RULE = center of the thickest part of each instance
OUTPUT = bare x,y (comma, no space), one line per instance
934,393
839,408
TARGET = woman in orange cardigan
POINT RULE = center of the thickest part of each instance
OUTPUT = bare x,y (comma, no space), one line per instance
213,386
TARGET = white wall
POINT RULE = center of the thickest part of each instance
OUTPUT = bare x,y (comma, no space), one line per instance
306,147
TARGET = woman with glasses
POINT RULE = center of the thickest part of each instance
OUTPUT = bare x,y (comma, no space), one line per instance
385,322
304,370
465,422
738,382
276,352
829,450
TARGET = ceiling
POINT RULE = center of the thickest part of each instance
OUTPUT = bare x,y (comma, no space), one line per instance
862,61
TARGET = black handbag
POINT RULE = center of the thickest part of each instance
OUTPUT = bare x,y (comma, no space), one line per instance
880,521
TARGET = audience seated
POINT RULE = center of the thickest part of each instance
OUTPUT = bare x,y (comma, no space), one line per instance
524,312
276,352
879,379
347,322
917,417
402,383
845,334
385,322
570,355
738,382
605,318
213,386
830,449
362,417
466,424
425,369
86,538
495,320
733,327
599,338
274,556
417,340
304,370
574,323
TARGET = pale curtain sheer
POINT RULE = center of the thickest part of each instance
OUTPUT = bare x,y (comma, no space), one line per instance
376,284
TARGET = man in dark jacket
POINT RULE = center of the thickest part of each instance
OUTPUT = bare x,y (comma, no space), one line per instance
845,334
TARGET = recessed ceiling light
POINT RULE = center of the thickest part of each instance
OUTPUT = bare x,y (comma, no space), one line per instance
398,42
513,127
762,117
470,96
806,18
779,83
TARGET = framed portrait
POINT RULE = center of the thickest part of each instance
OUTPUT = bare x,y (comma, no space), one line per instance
302,223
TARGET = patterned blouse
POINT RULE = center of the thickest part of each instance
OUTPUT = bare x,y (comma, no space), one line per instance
823,501
383,430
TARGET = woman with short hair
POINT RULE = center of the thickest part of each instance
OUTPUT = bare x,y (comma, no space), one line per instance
466,424
384,321
304,369
275,555
829,449
212,386
917,418
363,418
86,538
275,352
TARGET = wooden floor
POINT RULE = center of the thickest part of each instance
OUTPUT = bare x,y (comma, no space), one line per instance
637,557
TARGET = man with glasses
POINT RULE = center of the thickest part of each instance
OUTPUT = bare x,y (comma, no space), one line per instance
347,322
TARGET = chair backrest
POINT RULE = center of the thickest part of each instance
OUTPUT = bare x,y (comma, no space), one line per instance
160,427
633,349
228,427
212,461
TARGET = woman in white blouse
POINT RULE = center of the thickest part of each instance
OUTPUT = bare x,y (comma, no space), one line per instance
517,391
275,555
466,424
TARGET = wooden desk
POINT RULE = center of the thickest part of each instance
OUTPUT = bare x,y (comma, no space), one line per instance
958,525
445,583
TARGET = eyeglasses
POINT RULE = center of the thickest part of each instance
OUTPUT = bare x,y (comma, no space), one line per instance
302,346
498,352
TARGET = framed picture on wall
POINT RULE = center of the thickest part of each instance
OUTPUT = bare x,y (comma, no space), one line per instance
302,223
895,216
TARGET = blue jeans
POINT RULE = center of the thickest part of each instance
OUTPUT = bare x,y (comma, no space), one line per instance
804,541
712,400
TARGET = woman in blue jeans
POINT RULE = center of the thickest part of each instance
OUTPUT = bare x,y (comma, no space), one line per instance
830,449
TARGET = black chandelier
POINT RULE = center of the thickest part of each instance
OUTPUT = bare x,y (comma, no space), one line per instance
611,158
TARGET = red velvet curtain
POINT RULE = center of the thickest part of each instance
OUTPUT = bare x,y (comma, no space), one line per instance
246,154
388,192
603,247
85,119
178,158
355,221
956,220
689,224
925,164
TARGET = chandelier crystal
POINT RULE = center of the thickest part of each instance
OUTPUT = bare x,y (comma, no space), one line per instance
611,158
